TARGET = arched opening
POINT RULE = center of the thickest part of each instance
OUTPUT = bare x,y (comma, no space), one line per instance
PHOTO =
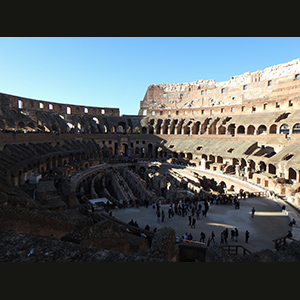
219,159
262,166
121,127
30,126
292,174
296,128
151,130
250,129
222,187
241,129
231,129
21,126
158,126
150,150
272,169
212,158
137,130
222,130
124,149
284,129
195,129
172,126
187,130
144,130
96,120
54,128
189,156
166,126
273,129
261,129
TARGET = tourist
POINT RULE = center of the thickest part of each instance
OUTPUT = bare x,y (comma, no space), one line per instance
202,237
293,222
190,219
247,235
236,233
203,214
289,234
212,237
225,235
170,211
232,234
158,216
283,209
193,222
222,238
253,212
162,216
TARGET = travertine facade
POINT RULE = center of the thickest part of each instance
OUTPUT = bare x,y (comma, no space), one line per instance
265,90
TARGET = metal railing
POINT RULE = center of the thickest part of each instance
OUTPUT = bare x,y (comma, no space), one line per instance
236,250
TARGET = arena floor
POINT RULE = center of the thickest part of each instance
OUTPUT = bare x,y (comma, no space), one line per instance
268,223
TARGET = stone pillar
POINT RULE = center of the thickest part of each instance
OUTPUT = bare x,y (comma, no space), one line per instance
202,164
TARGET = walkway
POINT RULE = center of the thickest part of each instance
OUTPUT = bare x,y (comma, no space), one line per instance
268,223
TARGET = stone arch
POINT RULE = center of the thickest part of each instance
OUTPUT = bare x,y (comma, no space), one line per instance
292,174
173,126
284,129
250,129
121,127
189,156
196,127
130,128
231,129
21,126
222,130
158,126
31,125
262,166
261,129
165,126
296,128
151,129
272,169
273,129
150,150
219,159
241,129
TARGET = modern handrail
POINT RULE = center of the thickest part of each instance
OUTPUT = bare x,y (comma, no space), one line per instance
234,249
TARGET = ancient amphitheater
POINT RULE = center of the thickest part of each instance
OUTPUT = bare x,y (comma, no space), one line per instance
188,141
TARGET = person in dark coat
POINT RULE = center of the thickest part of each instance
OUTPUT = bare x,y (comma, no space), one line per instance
193,222
247,235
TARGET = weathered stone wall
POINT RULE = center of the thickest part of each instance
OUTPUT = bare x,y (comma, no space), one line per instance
272,86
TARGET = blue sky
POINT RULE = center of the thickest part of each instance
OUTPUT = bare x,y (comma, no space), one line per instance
115,72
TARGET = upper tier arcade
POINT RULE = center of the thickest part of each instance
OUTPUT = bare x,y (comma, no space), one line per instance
270,87
19,113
